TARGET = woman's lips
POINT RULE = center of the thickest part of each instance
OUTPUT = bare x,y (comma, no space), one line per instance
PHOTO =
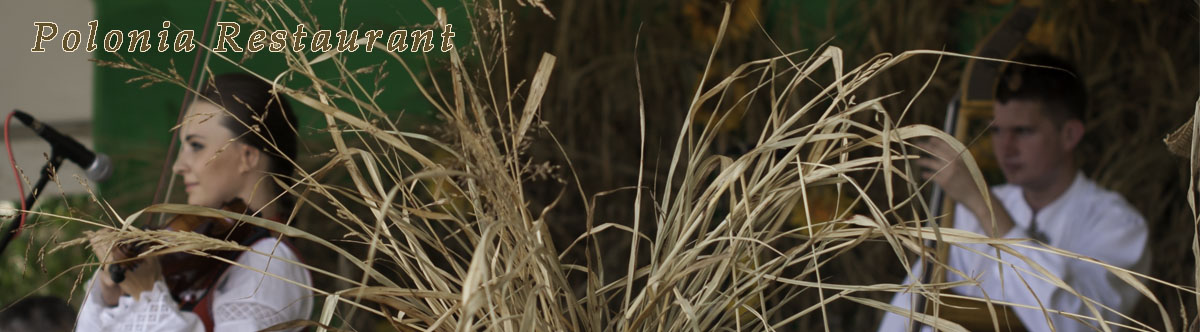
188,186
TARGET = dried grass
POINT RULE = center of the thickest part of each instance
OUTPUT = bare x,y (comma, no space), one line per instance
1139,60
455,242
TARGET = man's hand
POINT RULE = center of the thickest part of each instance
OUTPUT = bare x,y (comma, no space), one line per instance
942,164
945,166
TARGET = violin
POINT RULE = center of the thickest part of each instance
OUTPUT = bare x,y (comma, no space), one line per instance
190,276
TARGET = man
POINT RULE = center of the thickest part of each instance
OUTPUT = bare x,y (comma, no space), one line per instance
1038,123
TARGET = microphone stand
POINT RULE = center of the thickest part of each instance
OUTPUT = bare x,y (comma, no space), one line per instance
55,161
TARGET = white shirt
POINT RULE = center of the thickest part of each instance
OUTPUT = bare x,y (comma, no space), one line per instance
1086,220
244,300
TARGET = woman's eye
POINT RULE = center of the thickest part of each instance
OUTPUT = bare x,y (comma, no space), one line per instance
196,146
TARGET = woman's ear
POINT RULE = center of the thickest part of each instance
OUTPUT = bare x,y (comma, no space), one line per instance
1071,134
250,158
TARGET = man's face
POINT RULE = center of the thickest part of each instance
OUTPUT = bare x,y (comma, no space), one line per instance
1029,146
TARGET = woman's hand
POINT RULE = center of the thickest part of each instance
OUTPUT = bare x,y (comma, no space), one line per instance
138,279
142,277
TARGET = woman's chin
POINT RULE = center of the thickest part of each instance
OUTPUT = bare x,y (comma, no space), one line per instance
200,201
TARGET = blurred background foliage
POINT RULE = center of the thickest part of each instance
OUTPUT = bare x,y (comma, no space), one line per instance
31,267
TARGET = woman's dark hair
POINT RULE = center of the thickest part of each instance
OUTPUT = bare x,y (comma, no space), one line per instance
253,105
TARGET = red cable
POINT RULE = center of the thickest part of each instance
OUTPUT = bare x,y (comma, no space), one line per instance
16,174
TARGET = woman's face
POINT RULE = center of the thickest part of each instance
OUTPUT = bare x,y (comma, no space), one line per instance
210,162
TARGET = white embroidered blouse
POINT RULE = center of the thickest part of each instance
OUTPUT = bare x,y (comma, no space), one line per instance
245,300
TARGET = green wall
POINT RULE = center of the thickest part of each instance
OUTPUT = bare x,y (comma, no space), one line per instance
132,123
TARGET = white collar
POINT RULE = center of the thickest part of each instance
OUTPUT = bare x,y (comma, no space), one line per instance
1022,213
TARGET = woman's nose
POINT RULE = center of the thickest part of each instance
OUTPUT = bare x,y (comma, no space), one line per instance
178,167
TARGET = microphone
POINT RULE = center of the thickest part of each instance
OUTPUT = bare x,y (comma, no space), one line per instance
97,166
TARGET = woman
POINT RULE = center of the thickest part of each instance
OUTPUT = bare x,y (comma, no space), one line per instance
227,154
